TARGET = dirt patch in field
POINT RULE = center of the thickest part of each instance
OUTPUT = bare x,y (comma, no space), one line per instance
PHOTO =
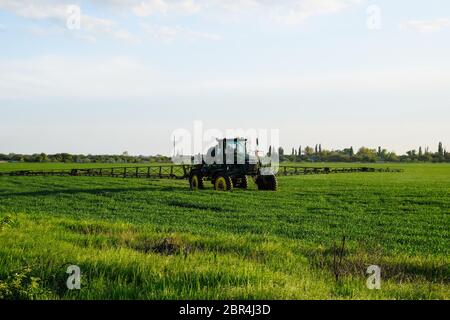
104,237
167,246
354,262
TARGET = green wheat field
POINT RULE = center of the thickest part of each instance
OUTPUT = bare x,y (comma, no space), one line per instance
156,239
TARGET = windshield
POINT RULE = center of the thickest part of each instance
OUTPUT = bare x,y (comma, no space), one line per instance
233,148
240,151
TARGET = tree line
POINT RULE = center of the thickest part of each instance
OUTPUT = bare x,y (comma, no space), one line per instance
81,158
363,154
300,154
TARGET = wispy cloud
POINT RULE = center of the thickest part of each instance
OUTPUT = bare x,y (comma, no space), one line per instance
170,33
426,26
151,7
58,13
32,10
299,11
288,12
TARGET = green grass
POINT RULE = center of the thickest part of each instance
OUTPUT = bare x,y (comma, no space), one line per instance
156,239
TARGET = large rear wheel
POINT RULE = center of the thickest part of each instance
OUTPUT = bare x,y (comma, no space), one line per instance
269,182
272,183
223,183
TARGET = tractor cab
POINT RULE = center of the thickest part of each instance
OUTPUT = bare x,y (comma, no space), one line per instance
229,152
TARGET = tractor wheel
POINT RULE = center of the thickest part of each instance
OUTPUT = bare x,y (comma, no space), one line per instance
196,182
260,183
243,183
271,183
267,183
222,183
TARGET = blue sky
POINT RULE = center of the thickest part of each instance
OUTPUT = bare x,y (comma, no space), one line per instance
137,70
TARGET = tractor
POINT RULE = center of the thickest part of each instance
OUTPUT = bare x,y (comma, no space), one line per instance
228,165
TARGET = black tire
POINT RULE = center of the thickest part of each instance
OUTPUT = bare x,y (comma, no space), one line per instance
240,182
244,183
196,182
260,183
223,183
269,182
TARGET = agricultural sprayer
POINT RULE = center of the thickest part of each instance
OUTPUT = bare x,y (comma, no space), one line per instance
229,165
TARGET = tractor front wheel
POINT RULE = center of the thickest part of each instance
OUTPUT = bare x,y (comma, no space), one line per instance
196,182
223,183
241,182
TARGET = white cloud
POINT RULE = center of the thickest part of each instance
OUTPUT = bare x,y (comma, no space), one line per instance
287,11
89,23
170,33
299,11
90,27
190,6
33,10
426,26
147,8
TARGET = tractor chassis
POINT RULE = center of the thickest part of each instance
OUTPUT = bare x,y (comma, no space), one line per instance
228,177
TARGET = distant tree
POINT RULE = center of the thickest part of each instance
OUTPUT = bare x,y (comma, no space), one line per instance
347,152
320,148
412,154
315,149
427,157
65,157
420,152
366,154
300,150
43,157
440,149
309,151
391,157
